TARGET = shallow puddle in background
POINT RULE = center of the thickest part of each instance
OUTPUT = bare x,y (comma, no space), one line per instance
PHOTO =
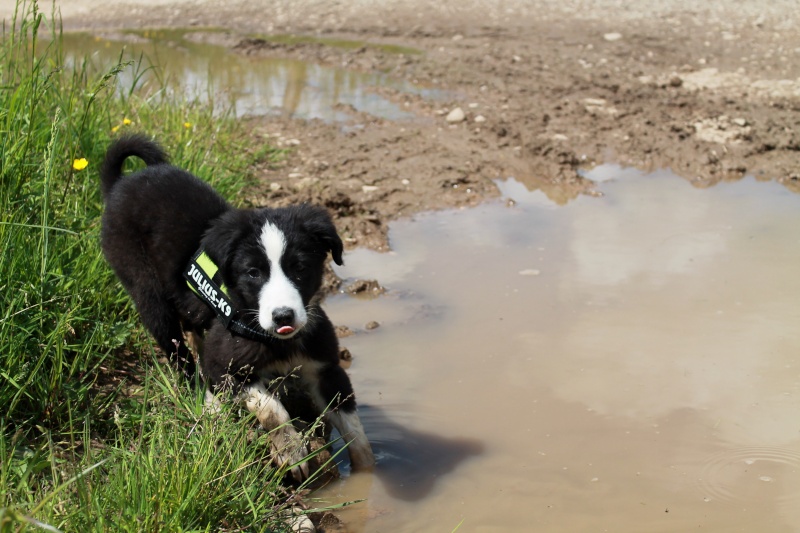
626,363
256,85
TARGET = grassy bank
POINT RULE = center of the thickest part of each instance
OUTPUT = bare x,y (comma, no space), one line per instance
83,445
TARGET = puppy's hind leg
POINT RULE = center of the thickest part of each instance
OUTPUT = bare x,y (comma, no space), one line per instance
287,445
162,321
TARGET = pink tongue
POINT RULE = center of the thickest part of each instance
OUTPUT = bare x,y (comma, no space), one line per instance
285,330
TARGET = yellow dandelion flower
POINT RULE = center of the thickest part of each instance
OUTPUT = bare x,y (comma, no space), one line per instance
126,121
187,125
115,129
80,164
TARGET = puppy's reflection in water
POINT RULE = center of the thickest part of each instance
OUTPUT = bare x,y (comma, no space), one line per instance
410,463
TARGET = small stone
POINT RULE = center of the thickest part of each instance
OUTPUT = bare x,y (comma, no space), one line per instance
597,102
362,287
560,137
293,142
613,36
480,118
473,105
516,58
675,81
372,324
295,175
343,331
456,115
274,186
369,188
740,122
344,354
330,523
405,182
305,183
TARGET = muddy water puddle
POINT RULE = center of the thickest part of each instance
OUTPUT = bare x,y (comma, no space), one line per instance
625,363
185,64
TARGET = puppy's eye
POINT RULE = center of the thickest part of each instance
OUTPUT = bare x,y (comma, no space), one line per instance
254,273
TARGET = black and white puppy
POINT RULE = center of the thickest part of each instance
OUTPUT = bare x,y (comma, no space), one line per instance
269,262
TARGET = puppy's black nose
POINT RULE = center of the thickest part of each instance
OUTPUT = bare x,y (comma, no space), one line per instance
283,316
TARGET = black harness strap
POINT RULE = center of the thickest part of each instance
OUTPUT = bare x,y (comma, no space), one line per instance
240,328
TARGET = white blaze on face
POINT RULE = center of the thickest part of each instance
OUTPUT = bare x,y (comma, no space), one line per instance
278,291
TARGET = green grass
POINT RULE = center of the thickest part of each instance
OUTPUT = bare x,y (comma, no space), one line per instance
79,450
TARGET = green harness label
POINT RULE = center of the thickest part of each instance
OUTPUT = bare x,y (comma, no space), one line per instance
199,276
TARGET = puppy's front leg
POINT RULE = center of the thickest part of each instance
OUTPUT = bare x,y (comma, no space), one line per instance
331,389
287,445
348,424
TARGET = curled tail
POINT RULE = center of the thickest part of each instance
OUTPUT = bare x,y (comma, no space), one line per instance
136,145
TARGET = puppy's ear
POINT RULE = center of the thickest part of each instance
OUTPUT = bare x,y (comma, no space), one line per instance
320,225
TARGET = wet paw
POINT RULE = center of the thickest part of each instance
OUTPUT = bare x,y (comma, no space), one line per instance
361,456
288,448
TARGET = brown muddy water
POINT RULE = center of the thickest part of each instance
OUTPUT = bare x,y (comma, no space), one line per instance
184,64
629,363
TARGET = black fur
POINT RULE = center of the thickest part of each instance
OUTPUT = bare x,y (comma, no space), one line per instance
152,224
157,218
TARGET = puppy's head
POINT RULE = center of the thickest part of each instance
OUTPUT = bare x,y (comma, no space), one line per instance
272,262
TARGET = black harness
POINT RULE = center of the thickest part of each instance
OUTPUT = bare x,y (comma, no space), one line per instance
199,276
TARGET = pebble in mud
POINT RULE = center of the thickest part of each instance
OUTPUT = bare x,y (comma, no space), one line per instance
345,355
343,331
365,287
456,115
372,324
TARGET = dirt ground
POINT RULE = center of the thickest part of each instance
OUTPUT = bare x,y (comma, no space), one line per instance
545,88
